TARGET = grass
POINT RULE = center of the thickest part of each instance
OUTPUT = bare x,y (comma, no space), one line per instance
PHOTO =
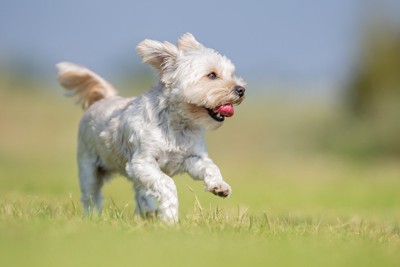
44,234
293,204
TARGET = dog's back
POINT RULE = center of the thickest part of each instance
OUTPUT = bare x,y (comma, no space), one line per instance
99,126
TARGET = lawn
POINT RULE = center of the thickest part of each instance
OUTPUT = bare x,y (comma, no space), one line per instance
294,202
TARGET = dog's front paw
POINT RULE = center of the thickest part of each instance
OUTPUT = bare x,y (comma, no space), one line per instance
221,189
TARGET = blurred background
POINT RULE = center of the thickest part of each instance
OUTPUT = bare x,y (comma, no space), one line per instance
322,110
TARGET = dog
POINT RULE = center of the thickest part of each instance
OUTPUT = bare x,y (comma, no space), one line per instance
161,133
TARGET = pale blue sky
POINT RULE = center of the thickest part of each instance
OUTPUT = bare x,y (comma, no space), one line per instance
293,40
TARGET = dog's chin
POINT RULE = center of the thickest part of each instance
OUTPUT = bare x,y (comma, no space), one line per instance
212,124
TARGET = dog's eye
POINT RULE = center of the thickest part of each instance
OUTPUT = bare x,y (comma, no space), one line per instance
212,76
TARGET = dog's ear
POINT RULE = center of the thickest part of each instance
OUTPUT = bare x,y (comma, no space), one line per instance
188,42
157,54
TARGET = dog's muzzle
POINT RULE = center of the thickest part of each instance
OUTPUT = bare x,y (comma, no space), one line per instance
226,110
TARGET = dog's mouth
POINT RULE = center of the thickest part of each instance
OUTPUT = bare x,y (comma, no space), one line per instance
219,113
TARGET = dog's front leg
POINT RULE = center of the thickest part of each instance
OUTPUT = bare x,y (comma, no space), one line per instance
147,173
201,167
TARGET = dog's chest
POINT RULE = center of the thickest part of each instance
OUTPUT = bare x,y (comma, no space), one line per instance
171,162
171,156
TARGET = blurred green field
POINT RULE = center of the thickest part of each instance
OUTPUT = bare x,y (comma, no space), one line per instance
294,202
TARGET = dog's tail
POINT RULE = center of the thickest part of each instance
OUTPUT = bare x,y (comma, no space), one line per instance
83,83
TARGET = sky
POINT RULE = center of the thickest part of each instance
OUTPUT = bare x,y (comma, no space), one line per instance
313,41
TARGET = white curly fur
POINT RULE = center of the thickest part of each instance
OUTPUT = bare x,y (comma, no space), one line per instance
152,137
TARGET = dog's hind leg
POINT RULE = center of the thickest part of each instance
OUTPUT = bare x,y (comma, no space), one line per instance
91,180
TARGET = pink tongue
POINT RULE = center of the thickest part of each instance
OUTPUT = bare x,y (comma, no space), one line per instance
225,110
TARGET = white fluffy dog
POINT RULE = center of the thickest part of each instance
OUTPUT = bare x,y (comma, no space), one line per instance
152,137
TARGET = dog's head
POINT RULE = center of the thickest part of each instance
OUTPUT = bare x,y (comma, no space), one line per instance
199,80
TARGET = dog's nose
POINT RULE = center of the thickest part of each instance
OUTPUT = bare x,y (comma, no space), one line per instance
239,90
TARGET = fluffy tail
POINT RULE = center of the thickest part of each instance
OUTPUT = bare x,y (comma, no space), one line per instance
83,83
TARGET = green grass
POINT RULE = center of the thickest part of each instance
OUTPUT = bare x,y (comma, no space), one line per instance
293,204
